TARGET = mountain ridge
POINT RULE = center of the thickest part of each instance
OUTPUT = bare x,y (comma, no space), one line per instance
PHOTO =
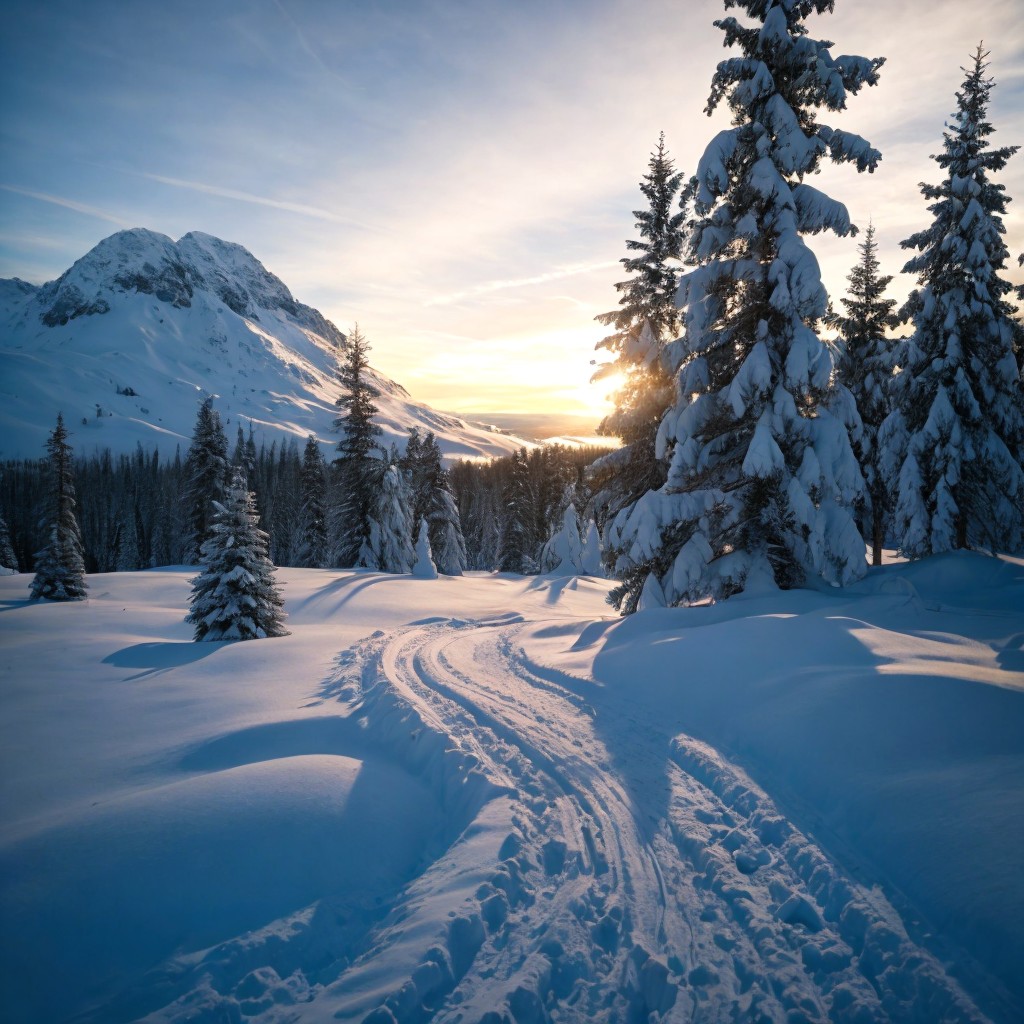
138,331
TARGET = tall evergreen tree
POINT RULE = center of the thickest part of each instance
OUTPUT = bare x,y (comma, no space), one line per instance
235,597
311,544
954,442
760,470
866,368
60,566
206,467
359,467
646,319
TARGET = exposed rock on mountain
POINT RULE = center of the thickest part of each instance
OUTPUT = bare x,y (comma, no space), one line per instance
136,333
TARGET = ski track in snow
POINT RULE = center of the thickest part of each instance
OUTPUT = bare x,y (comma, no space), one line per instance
652,882
586,862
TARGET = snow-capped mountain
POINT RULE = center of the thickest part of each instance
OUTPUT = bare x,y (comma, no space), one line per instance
129,340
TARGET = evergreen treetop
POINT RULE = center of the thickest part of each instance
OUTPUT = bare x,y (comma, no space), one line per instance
358,430
866,367
649,295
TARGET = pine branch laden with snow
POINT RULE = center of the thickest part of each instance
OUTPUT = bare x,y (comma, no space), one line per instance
956,440
762,474
647,318
60,566
866,370
236,597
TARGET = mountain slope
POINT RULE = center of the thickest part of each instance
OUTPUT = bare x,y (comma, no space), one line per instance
129,340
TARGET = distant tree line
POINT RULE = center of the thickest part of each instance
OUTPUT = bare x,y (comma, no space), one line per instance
143,510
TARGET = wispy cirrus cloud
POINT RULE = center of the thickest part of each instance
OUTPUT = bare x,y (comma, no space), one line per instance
68,204
305,209
520,282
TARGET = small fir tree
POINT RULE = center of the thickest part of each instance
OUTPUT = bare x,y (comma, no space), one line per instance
359,466
60,566
866,368
954,442
761,473
206,468
235,597
311,542
563,552
647,318
424,567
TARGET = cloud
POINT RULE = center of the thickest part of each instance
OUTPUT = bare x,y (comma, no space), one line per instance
68,204
247,197
522,282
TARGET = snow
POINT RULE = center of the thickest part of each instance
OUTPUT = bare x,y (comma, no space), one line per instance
482,794
170,323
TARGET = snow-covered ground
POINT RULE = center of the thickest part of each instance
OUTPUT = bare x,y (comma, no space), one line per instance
485,799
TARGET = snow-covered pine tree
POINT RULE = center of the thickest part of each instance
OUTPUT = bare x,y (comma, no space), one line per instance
236,597
424,567
646,319
8,559
563,551
360,464
60,566
311,542
866,368
431,499
206,469
391,522
761,473
954,442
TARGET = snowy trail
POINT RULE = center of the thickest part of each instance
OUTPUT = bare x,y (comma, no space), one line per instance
520,811
641,873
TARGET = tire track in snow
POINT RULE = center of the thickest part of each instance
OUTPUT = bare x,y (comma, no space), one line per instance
650,880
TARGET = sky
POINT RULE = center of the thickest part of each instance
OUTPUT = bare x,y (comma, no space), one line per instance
457,176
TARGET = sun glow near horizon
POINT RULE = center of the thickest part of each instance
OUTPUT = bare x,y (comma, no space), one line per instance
500,375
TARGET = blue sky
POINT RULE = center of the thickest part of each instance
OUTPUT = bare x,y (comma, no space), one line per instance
456,176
